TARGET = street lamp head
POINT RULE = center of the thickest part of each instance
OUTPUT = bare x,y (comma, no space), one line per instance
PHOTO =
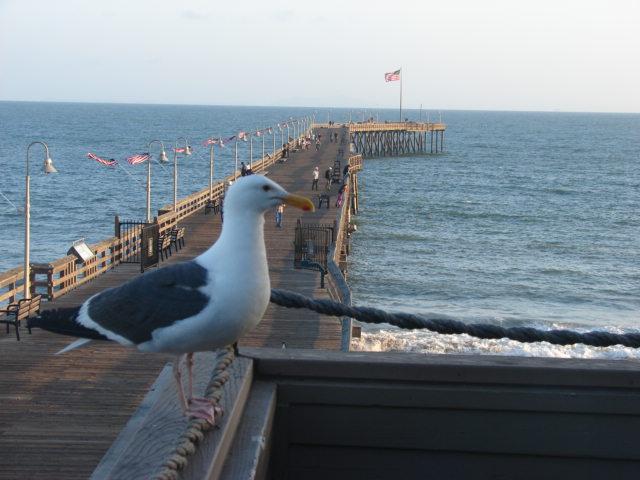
187,150
163,157
47,166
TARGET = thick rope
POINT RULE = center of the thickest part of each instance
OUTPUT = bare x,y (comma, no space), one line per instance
290,299
186,444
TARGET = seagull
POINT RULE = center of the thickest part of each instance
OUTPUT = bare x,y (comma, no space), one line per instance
197,305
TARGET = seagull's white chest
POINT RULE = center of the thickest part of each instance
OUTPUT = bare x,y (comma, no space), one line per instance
238,289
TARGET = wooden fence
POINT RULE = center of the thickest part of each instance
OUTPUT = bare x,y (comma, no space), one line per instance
60,276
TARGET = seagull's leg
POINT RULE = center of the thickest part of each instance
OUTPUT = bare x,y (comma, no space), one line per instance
177,376
200,407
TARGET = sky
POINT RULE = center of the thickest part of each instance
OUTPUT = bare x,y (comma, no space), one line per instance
559,55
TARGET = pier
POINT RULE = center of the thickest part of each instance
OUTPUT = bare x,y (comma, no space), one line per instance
374,139
60,414
297,403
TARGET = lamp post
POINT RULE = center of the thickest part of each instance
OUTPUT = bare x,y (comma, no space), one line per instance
163,159
272,132
251,150
235,163
264,134
47,167
212,143
175,169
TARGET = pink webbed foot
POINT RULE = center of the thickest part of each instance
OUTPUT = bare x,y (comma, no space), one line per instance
204,409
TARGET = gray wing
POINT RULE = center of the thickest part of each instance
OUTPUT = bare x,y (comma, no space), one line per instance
156,299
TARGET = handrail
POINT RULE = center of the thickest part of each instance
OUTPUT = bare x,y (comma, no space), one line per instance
407,126
337,285
64,274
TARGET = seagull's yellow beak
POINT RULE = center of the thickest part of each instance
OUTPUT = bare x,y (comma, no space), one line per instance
298,201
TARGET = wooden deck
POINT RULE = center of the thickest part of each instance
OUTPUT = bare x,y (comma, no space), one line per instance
60,414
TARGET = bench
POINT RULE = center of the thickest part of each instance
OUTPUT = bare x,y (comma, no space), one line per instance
16,312
164,246
177,237
323,197
212,205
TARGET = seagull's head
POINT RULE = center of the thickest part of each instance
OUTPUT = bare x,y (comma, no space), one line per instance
258,193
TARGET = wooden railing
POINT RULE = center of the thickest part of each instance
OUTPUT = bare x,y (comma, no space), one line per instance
60,276
336,281
407,126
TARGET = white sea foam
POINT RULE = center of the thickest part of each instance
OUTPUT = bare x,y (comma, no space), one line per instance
393,339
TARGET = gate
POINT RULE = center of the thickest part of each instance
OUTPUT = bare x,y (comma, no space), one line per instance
139,241
312,243
149,254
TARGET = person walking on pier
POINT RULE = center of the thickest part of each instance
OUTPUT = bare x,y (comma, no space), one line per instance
316,176
329,176
279,212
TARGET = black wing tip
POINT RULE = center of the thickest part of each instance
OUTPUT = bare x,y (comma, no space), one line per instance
63,321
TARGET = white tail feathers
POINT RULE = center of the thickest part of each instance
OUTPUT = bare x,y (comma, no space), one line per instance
77,343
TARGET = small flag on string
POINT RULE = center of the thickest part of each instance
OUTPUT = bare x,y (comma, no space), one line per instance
110,161
135,159
182,150
242,136
392,76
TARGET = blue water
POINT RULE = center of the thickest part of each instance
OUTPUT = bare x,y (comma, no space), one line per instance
82,200
525,219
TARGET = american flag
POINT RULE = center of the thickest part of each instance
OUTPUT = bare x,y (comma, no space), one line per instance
242,136
135,159
392,76
111,162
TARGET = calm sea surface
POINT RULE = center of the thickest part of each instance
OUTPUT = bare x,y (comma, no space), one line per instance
525,219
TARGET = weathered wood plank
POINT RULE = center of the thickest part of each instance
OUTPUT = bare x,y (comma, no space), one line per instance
446,368
249,455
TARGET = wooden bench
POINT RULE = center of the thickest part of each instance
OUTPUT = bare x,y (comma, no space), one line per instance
177,237
323,197
212,205
164,246
16,312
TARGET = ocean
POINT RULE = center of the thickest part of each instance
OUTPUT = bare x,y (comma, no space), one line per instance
526,218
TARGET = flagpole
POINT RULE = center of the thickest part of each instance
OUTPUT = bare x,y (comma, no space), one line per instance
401,75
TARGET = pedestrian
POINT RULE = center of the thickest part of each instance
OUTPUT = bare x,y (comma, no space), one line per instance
340,196
243,169
279,212
317,145
248,170
316,175
345,172
328,175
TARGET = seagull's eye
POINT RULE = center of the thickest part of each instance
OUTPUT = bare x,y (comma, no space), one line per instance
266,188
